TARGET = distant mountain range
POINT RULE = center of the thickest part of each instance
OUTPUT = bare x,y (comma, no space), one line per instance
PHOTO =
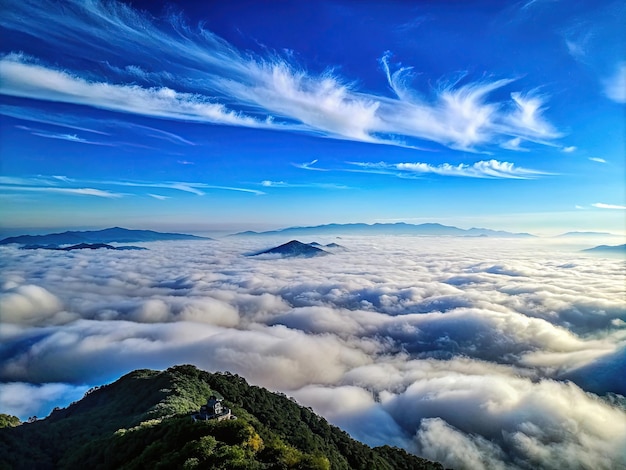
82,246
400,228
109,235
585,234
294,249
616,249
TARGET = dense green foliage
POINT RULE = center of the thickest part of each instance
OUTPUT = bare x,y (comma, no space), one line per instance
143,421
9,421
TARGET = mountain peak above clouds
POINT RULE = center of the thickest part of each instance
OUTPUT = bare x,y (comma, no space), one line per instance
585,234
607,249
108,235
294,248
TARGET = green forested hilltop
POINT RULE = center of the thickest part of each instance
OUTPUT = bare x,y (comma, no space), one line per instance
143,421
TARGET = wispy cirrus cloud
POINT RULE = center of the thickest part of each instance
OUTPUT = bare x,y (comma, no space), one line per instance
283,184
189,187
309,166
601,205
69,191
61,136
481,169
26,79
597,159
36,115
615,85
155,133
103,127
208,80
62,184
461,116
514,144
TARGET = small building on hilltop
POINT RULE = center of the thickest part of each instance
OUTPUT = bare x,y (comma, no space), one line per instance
214,409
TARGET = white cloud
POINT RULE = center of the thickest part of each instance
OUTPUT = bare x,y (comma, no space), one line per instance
597,159
271,91
480,169
159,197
601,205
615,85
569,149
528,116
26,304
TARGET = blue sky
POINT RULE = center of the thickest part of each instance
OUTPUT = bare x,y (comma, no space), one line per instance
252,115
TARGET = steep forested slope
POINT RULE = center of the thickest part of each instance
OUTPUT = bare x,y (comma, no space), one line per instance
143,421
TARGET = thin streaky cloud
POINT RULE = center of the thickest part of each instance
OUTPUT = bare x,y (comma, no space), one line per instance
232,188
185,187
54,182
157,133
601,205
32,181
69,138
68,191
309,166
63,178
42,117
69,121
597,159
159,197
189,187
283,184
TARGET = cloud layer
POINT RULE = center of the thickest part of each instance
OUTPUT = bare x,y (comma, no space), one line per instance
200,77
473,352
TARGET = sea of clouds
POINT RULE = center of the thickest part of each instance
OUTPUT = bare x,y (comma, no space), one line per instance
479,353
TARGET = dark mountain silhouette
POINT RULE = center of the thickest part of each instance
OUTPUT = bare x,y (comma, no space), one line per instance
613,249
81,246
292,249
109,235
144,420
400,228
335,246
